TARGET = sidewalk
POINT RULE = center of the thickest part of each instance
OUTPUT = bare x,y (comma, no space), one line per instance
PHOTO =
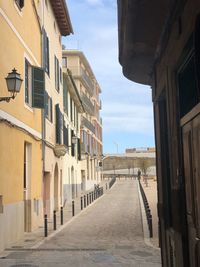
107,234
33,238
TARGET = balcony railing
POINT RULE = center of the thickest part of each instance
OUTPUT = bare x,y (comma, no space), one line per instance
85,122
79,72
88,106
88,81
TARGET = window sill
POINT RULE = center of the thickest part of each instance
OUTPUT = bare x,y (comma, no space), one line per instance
19,10
28,107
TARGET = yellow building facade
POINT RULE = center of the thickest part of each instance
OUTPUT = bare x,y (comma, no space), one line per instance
20,123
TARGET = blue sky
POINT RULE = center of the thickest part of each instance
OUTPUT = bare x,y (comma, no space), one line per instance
127,110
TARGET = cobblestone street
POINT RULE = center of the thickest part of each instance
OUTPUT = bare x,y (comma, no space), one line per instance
107,233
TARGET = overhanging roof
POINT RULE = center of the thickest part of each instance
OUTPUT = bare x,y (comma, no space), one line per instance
62,16
140,25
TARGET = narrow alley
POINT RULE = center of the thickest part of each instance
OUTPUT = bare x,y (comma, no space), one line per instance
107,233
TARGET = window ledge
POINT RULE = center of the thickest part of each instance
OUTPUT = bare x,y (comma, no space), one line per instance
28,107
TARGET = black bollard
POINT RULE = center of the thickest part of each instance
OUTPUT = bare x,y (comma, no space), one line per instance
81,203
45,226
150,226
54,220
87,199
73,210
61,215
90,198
84,201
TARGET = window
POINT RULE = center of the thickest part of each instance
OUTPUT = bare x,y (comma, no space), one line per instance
28,84
64,62
59,125
48,107
56,71
65,96
188,90
19,3
46,52
34,86
65,136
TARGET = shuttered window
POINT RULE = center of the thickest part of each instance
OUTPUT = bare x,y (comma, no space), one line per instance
59,123
56,73
46,52
65,96
19,3
38,87
72,145
48,107
79,148
28,85
65,136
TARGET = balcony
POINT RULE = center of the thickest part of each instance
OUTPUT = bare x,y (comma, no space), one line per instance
87,81
60,150
85,122
80,73
88,106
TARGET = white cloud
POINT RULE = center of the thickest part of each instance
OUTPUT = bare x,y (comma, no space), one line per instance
119,117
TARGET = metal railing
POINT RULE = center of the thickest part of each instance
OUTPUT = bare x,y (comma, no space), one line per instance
85,122
147,210
89,107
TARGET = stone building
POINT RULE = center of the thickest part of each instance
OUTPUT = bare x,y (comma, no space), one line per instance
159,45
91,124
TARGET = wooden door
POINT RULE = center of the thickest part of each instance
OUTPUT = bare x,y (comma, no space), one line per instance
191,154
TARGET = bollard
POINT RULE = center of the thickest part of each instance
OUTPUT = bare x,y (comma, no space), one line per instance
54,220
73,211
87,199
150,226
90,198
81,203
84,201
61,215
45,226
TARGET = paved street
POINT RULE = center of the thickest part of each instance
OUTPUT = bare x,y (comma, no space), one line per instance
107,233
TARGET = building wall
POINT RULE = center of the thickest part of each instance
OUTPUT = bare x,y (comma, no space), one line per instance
19,124
172,195
89,163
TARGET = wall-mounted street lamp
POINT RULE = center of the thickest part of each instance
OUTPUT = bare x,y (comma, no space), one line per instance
74,140
14,82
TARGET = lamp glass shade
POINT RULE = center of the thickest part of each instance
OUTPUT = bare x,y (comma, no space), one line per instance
13,81
74,140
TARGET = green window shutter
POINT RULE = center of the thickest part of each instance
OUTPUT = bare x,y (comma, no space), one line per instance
38,87
79,149
65,136
65,96
51,111
46,108
55,62
44,39
26,82
72,145
47,55
58,78
59,124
